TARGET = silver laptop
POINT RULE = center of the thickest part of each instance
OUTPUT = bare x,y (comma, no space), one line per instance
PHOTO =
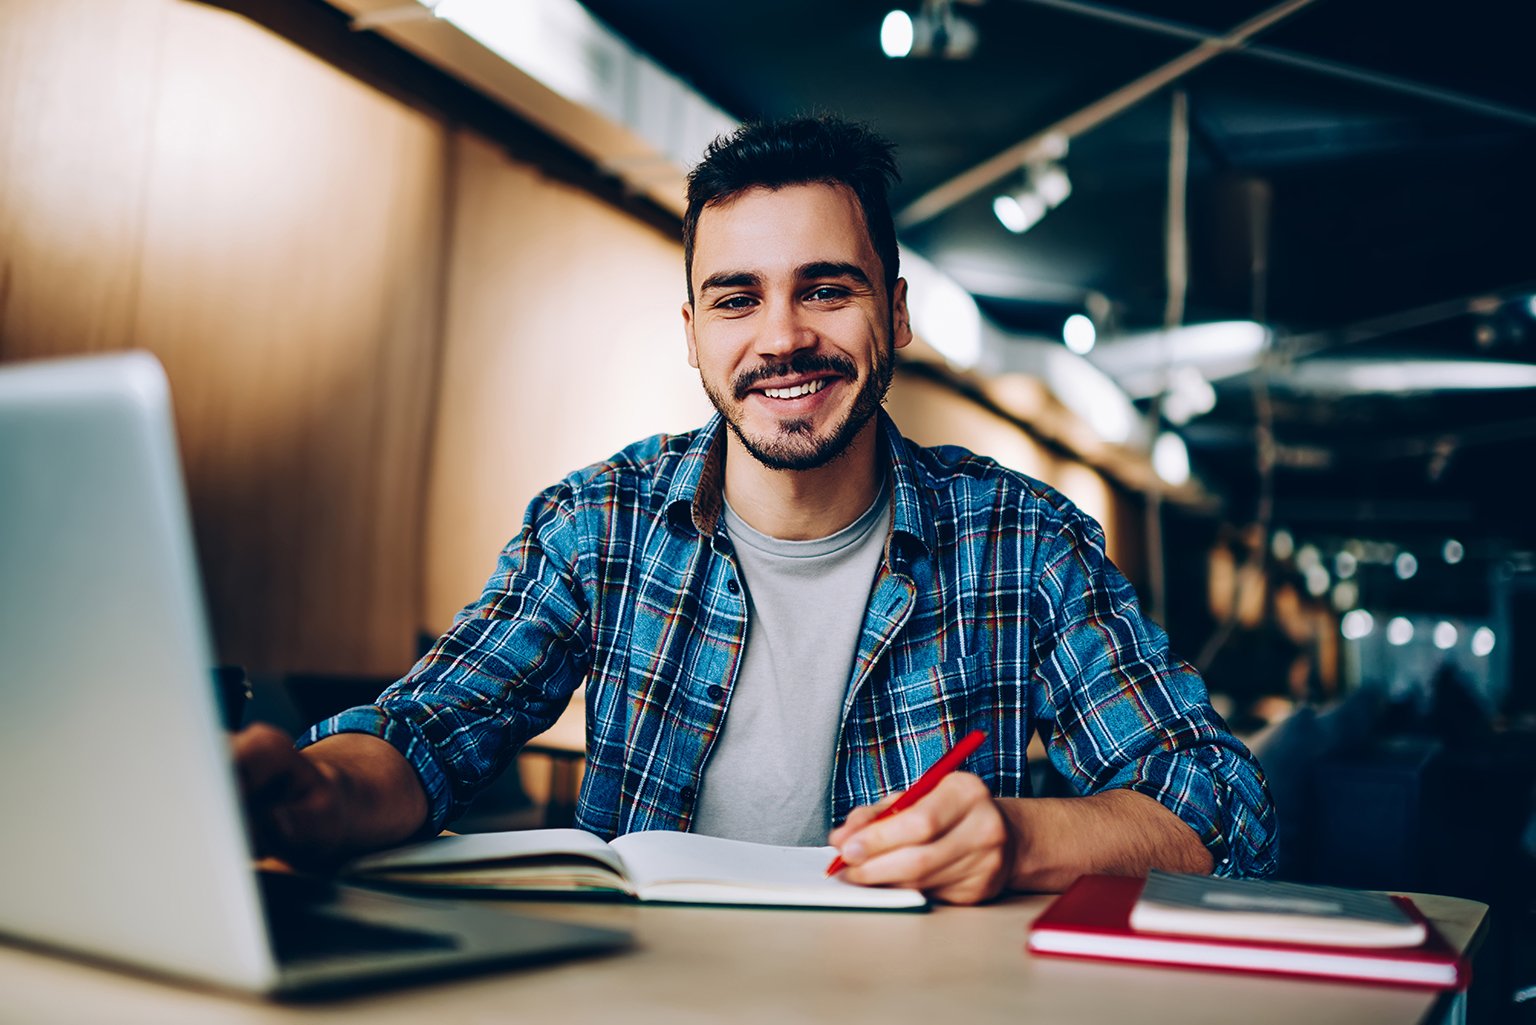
123,833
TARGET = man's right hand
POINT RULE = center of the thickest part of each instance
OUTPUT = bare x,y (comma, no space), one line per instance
347,794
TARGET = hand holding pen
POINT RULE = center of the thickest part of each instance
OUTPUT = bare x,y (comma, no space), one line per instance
946,764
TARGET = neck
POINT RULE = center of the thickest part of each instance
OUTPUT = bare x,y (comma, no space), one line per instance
802,505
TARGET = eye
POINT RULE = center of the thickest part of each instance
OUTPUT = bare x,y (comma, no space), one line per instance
827,293
735,302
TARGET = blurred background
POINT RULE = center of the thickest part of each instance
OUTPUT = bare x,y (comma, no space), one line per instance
1249,282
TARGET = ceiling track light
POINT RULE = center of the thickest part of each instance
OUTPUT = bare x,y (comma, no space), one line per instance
936,31
1046,186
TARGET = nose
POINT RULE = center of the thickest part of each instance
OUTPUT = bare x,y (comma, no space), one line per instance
785,331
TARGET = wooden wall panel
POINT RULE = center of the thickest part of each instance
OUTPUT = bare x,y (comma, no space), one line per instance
174,177
290,280
931,414
1092,493
564,344
78,83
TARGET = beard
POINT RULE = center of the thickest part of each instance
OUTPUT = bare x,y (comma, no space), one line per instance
794,444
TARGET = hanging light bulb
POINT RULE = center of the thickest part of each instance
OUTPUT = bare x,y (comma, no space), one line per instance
1170,458
1079,334
1357,623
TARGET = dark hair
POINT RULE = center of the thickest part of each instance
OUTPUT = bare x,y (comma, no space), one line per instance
799,151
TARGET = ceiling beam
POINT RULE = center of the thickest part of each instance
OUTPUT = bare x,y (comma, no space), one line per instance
970,182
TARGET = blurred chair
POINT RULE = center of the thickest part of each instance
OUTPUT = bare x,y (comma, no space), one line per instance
1327,776
1289,751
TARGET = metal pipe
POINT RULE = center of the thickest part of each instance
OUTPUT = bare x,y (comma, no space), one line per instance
1322,66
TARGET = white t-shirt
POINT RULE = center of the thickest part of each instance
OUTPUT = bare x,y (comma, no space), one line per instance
769,775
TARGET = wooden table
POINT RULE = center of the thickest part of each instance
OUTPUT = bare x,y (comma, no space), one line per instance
952,966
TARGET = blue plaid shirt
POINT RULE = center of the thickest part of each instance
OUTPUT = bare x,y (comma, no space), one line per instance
994,608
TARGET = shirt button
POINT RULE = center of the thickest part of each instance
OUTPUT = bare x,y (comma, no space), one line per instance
716,692
732,586
688,794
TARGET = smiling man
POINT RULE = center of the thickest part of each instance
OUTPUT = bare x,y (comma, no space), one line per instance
784,617
799,380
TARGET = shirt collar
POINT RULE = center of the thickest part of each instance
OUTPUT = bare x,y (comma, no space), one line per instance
694,497
697,486
911,516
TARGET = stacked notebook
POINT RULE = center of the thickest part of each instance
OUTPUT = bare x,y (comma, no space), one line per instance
1251,926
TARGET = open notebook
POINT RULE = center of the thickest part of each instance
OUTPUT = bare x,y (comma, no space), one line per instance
126,841
656,865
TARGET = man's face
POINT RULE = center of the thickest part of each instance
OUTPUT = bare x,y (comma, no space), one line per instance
791,328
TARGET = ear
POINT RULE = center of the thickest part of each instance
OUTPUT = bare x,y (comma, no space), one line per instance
901,319
693,345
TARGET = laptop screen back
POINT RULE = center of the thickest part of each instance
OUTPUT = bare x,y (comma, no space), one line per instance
123,833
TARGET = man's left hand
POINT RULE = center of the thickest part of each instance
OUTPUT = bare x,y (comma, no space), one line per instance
955,844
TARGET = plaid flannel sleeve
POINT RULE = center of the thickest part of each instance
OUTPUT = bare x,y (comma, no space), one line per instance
1122,712
501,674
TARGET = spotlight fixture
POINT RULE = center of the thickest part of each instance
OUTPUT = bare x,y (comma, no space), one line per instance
896,34
1046,186
1019,211
936,31
1050,183
1188,395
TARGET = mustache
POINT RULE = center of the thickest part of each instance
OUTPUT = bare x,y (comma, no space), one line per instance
800,363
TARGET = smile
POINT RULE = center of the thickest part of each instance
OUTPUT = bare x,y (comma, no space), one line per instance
795,392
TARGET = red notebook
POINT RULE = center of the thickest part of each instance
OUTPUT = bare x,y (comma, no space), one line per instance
1092,920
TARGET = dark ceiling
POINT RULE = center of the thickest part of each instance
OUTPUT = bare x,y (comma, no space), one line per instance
1378,154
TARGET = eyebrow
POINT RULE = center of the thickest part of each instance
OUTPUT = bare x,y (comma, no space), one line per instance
730,279
833,269
806,271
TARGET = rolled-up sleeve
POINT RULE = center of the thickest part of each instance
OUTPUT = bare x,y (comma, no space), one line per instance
501,674
1118,711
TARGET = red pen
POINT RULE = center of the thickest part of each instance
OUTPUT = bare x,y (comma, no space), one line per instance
925,783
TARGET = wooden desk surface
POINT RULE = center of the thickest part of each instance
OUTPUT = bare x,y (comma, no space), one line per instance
953,966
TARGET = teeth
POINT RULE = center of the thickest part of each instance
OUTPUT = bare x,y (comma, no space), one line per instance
797,391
